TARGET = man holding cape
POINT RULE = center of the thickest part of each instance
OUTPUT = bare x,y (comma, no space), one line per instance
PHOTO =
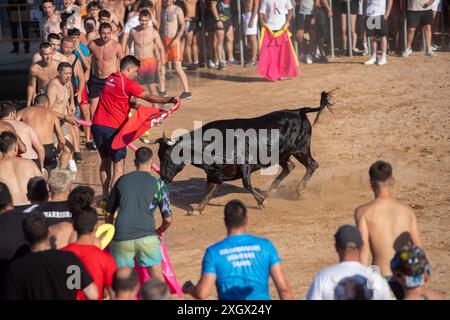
277,59
112,113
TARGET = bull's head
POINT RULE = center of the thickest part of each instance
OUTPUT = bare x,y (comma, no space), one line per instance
169,169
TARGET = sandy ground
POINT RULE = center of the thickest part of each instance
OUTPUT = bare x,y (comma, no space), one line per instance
398,113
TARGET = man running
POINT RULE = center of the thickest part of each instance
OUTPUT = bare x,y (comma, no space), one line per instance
41,72
61,102
46,125
51,21
15,172
111,114
55,41
385,224
146,41
172,29
105,54
35,150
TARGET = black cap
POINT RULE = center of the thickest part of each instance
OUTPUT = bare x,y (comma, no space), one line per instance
348,236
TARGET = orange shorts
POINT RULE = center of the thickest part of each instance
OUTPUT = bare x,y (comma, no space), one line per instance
148,72
173,53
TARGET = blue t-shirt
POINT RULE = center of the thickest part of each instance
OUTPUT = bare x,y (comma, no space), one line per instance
84,50
242,265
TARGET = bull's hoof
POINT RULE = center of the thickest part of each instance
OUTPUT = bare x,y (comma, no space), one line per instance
264,204
194,212
272,192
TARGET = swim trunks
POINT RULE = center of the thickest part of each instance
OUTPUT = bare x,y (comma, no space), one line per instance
51,157
353,7
173,53
95,86
103,138
194,25
148,72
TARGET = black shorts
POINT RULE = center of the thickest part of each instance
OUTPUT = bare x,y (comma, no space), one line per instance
195,25
322,28
396,288
38,164
303,21
377,26
51,157
95,86
210,22
353,7
103,138
226,25
419,18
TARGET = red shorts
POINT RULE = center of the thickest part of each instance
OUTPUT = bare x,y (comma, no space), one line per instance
173,53
84,97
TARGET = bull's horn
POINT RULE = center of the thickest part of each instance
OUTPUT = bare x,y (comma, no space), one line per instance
168,141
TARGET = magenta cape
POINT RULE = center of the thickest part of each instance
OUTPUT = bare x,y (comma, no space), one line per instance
277,58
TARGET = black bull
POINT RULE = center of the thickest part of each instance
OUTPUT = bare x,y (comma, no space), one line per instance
294,140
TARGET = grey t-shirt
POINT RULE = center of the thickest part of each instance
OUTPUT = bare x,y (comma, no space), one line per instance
306,7
416,5
136,195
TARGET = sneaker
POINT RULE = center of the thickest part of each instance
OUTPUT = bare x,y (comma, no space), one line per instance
91,146
72,166
323,59
251,63
212,64
234,61
371,61
366,50
186,95
16,51
381,62
430,53
407,52
309,59
357,51
222,65
161,93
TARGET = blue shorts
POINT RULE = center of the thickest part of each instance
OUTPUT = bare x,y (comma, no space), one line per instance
103,138
147,251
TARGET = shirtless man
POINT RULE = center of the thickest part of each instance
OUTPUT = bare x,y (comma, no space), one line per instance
5,126
250,24
172,29
146,41
104,16
35,150
116,24
78,84
55,41
46,124
15,172
105,54
90,25
50,23
385,224
61,102
41,72
192,33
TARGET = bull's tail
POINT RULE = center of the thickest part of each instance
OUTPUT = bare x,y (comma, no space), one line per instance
325,98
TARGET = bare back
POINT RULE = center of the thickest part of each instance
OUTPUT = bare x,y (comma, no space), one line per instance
106,57
25,132
387,225
15,173
41,120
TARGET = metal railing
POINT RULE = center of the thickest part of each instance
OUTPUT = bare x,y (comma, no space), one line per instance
22,17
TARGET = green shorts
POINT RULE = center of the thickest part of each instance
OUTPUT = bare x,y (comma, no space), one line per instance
147,251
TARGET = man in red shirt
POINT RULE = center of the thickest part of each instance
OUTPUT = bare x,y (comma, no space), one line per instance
100,264
112,113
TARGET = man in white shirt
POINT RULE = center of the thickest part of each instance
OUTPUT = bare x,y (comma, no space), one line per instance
276,13
377,14
348,244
